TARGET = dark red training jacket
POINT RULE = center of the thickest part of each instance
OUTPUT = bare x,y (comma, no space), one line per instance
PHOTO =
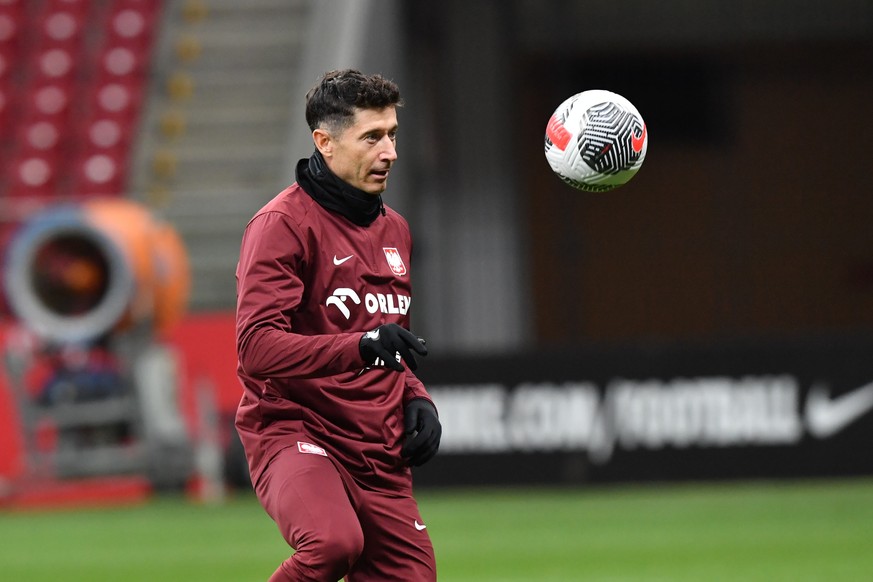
309,282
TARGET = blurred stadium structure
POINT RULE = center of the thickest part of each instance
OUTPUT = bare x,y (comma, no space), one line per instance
92,286
741,249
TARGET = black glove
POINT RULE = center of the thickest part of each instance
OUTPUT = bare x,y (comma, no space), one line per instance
423,432
386,341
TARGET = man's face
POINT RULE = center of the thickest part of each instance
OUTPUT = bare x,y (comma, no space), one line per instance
362,155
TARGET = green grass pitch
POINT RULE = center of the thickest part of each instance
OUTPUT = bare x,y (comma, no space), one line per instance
730,531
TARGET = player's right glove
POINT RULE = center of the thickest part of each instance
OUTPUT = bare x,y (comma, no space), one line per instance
388,340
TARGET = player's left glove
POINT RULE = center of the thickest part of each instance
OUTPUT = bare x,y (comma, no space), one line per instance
423,432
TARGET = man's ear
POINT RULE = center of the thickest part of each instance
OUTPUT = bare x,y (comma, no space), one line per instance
323,142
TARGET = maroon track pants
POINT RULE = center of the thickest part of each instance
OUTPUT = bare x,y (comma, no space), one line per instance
339,529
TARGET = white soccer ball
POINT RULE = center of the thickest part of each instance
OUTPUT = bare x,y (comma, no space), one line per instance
596,140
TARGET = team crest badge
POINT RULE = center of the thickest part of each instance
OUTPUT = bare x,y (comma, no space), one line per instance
394,261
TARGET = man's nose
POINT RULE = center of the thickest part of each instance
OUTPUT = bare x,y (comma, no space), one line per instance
389,149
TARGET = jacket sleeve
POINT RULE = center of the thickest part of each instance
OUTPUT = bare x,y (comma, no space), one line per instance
269,288
414,388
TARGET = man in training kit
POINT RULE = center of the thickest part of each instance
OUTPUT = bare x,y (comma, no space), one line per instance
332,416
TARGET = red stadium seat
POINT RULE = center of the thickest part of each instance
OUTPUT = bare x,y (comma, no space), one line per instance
40,136
49,99
99,173
117,100
32,175
55,63
119,62
130,27
61,28
12,26
131,23
106,134
10,30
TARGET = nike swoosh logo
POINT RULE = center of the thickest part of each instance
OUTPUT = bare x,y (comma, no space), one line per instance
638,142
419,526
338,262
826,417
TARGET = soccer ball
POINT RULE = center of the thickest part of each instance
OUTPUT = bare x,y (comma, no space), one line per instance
596,141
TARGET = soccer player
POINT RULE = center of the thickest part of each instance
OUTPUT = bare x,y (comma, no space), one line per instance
332,416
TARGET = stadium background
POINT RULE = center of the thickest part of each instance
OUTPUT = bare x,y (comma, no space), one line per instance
740,254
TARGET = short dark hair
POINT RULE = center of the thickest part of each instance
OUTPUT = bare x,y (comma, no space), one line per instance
332,101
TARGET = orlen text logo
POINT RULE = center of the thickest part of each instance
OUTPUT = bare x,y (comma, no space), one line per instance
373,302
